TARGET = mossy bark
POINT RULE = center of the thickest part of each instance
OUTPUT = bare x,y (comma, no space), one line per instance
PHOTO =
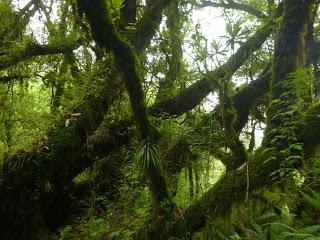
172,49
290,54
231,189
149,24
105,34
34,49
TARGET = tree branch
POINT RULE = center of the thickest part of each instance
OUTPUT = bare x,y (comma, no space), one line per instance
6,79
193,95
34,49
244,99
232,187
149,23
230,4
105,34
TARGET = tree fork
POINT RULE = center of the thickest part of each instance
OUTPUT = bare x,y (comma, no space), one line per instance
106,35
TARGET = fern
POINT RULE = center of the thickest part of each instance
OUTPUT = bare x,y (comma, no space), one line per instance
314,200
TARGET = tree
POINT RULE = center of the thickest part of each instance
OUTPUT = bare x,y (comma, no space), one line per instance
105,56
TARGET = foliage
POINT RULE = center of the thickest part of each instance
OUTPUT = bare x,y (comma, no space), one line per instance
148,156
72,154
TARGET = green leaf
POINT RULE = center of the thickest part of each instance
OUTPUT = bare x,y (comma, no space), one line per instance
269,159
296,146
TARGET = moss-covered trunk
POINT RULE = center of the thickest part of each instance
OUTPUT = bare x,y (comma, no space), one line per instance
32,178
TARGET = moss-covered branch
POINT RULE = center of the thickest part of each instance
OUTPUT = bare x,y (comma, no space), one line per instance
231,188
246,97
57,159
105,34
149,23
12,57
230,4
173,51
6,79
193,95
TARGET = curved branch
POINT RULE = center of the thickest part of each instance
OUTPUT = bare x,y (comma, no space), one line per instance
232,187
106,35
246,97
230,4
194,94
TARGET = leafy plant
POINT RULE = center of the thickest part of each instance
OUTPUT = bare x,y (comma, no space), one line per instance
114,8
148,156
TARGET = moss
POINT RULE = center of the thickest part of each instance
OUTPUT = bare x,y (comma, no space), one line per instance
149,24
106,35
229,190
290,47
57,160
173,51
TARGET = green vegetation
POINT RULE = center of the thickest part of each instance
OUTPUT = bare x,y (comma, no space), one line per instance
126,119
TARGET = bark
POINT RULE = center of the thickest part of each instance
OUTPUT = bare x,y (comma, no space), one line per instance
231,189
290,54
55,160
52,160
245,98
290,46
128,13
106,35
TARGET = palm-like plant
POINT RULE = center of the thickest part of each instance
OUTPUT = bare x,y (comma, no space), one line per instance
235,34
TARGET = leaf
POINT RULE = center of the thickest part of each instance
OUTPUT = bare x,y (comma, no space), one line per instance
269,159
147,156
293,158
267,150
229,29
296,146
309,229
314,201
48,187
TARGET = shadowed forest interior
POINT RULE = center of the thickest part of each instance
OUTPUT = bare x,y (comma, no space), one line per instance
159,119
